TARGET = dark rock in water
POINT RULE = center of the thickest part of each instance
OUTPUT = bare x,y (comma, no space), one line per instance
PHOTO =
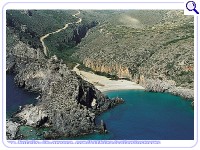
20,137
103,128
48,135
192,103
116,101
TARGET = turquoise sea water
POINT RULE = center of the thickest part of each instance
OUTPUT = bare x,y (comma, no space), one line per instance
147,116
144,115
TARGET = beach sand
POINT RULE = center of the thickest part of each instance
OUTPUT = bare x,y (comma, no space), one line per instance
103,83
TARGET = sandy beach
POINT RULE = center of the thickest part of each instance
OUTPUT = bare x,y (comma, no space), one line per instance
103,83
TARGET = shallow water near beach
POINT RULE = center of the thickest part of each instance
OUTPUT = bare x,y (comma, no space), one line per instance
143,116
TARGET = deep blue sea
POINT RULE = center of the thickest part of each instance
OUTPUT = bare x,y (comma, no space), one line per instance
143,116
16,96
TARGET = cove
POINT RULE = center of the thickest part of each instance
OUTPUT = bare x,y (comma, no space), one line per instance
147,116
143,116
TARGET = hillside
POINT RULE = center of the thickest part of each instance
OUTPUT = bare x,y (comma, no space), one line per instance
134,44
162,49
31,25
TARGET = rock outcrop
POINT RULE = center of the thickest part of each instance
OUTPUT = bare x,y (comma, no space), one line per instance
11,129
113,69
67,102
169,87
183,92
33,116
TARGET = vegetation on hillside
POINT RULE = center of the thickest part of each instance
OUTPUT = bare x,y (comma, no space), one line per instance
156,44
30,25
163,50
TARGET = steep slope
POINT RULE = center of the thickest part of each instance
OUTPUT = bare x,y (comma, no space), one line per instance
66,102
32,25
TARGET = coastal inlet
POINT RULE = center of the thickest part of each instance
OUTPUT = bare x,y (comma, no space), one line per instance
144,115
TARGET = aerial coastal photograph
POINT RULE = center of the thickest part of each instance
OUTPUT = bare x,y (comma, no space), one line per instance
99,75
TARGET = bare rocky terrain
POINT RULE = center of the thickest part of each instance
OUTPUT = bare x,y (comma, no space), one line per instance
66,100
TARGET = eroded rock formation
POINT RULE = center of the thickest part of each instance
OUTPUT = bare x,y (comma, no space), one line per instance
11,129
67,102
113,69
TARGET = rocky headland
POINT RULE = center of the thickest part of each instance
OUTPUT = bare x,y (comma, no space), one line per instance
67,103
168,87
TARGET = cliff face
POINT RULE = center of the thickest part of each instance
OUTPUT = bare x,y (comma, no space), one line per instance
81,31
58,106
113,69
60,98
67,104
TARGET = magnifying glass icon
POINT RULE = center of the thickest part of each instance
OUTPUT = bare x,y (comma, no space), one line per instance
191,6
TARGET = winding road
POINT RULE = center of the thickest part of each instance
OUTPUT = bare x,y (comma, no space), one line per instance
45,48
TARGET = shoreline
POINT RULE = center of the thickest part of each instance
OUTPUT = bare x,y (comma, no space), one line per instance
104,84
122,90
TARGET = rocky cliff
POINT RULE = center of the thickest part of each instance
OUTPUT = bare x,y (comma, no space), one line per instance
112,69
67,104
